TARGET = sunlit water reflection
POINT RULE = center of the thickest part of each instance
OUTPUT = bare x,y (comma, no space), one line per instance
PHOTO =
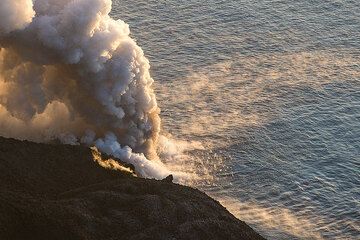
271,89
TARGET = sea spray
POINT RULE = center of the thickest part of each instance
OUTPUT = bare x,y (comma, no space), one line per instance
68,71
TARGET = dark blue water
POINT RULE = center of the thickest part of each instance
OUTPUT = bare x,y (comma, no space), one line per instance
272,91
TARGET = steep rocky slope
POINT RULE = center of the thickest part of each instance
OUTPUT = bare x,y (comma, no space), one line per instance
60,192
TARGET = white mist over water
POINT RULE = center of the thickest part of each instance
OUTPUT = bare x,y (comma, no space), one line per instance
69,71
270,88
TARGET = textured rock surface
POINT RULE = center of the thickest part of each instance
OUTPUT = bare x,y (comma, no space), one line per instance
59,192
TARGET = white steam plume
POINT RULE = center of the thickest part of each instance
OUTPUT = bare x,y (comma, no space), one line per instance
15,15
69,71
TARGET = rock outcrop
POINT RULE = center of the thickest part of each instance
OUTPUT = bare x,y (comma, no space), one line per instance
59,192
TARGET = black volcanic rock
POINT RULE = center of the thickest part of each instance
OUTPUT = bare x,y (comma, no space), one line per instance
57,192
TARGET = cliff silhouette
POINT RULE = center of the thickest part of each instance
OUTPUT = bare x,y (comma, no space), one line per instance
58,192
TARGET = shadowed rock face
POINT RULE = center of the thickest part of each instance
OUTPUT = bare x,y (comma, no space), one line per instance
59,192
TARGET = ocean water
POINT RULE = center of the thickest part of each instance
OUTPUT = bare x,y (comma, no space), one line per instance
271,89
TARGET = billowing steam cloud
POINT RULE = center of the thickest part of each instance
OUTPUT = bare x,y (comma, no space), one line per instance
15,15
69,71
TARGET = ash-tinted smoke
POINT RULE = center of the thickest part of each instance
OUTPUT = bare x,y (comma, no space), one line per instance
69,71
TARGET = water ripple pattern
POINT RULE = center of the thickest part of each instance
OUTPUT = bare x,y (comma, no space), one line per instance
272,90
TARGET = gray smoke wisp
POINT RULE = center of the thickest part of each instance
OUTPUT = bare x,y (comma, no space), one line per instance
69,71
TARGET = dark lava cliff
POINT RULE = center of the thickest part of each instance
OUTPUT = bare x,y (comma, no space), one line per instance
58,192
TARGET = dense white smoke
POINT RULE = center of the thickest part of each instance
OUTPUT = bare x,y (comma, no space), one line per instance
69,71
15,15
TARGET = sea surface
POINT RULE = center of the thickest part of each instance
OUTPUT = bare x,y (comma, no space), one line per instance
271,90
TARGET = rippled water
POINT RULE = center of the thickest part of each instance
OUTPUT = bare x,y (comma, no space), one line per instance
272,90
